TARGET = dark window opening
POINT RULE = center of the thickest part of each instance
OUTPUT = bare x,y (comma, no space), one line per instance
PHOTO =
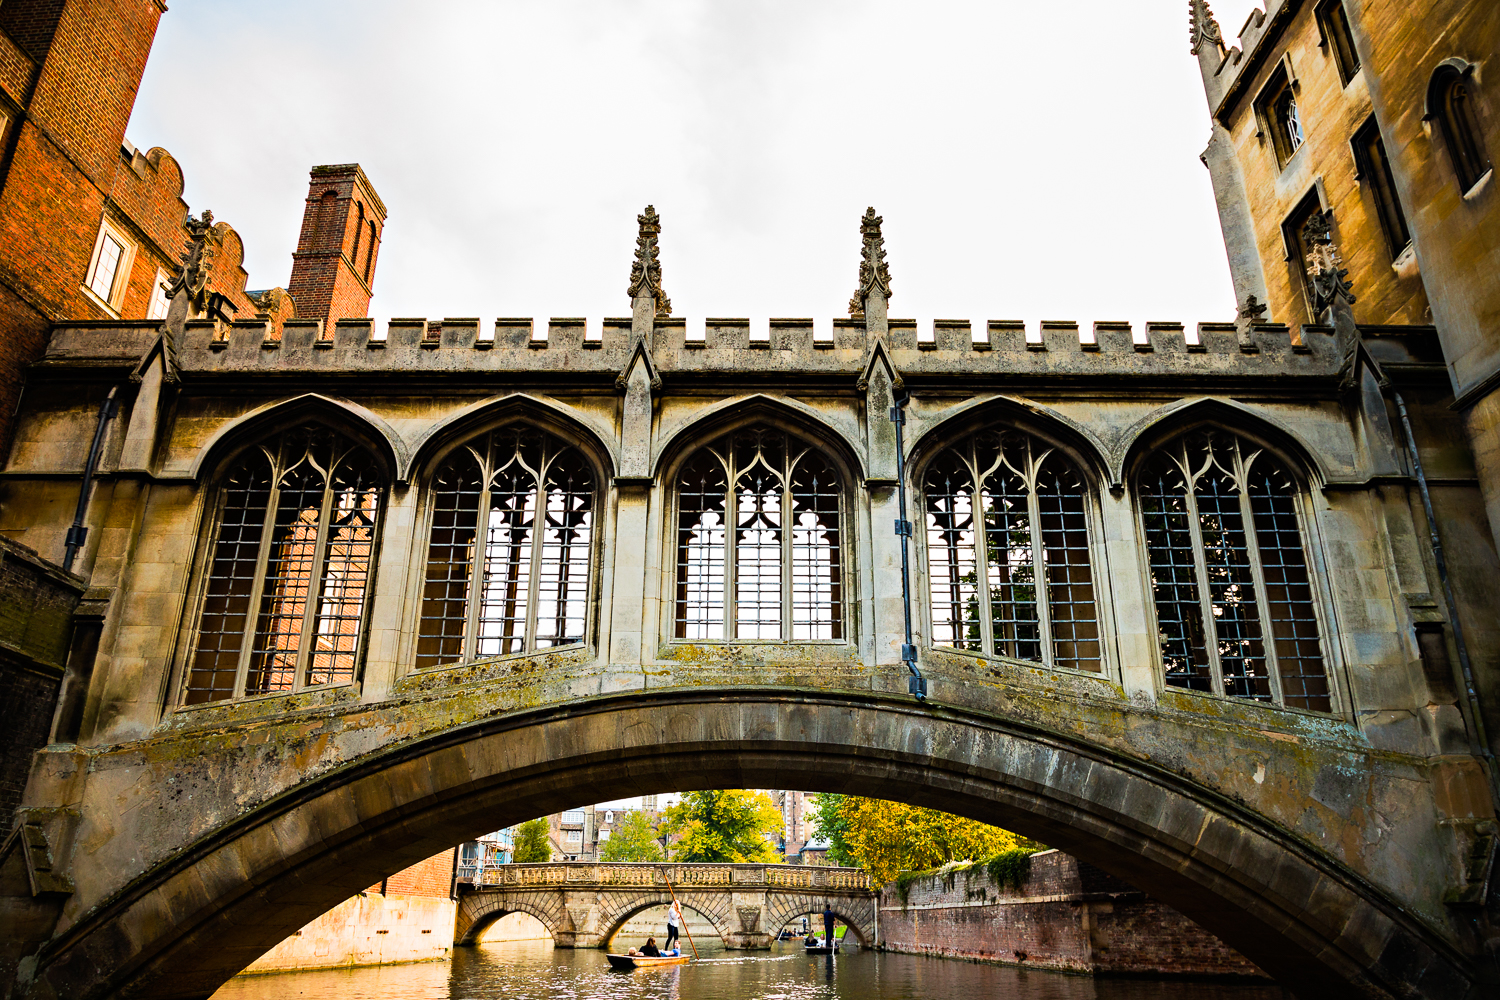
1229,576
510,554
1375,171
292,554
1450,98
1008,555
1297,248
1334,22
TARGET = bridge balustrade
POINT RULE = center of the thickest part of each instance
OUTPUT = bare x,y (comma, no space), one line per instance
695,875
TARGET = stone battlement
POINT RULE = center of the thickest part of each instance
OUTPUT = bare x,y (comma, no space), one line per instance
715,345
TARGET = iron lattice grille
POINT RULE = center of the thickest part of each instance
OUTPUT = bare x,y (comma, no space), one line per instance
531,498
294,544
1226,560
1037,601
778,574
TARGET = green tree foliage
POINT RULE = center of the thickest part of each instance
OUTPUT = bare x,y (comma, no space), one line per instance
634,839
887,838
829,823
531,843
724,827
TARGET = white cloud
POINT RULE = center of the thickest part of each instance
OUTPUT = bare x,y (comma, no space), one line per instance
1034,161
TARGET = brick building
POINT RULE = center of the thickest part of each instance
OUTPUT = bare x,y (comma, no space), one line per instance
91,226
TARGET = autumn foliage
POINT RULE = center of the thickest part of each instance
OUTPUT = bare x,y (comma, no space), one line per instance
887,838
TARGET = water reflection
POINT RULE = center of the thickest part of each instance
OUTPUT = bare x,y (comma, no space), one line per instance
533,970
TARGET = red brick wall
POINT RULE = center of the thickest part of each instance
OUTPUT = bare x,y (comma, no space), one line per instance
432,878
1069,915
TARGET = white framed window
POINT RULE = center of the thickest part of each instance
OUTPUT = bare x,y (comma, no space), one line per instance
109,268
159,301
574,836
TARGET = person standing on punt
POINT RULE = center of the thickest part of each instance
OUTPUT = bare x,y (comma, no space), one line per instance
828,924
674,924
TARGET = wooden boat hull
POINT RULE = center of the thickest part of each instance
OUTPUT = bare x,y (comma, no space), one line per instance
824,950
625,963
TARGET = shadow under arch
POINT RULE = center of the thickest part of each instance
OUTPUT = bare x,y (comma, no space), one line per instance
1176,419
555,418
1085,450
730,415
480,922
364,426
187,925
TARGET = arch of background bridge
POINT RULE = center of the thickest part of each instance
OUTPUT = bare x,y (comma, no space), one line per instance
190,923
477,910
784,911
621,911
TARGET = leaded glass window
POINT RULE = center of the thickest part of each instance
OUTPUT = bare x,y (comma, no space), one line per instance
510,554
759,546
1233,594
1008,561
289,581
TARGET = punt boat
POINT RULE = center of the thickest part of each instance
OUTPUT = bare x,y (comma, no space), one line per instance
626,963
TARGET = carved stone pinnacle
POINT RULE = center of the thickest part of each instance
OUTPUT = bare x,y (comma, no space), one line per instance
645,272
873,272
1324,265
1201,26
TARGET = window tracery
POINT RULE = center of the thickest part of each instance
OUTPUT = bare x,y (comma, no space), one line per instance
1007,509
759,541
1233,593
286,593
510,553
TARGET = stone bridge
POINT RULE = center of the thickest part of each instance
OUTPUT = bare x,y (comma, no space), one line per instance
583,905
233,758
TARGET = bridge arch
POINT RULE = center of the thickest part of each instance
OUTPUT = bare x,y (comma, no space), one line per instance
621,914
860,924
477,911
192,921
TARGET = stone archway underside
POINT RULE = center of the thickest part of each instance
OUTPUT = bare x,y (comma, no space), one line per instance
187,925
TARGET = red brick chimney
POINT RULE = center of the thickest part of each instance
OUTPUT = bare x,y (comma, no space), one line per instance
333,269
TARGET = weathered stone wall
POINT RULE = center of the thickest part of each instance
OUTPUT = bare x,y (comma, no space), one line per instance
368,929
1068,915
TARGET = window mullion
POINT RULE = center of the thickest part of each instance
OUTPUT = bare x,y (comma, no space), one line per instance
981,522
1205,592
1262,605
1039,587
788,567
534,571
731,525
478,561
258,583
314,585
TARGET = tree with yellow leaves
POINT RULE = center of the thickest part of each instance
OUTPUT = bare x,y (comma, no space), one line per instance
887,838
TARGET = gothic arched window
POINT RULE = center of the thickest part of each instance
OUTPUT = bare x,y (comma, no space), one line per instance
511,549
289,582
1007,509
1229,572
1450,99
759,546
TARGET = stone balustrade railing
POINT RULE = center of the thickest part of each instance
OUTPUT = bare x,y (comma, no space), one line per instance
690,876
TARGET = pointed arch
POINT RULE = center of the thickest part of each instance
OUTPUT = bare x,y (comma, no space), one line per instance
363,425
1088,452
675,443
579,429
1185,415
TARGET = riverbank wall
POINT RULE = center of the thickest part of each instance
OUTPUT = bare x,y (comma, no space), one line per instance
407,917
1065,915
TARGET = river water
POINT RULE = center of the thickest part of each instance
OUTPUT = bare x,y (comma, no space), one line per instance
533,970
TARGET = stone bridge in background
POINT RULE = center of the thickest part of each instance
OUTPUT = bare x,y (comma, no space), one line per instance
583,905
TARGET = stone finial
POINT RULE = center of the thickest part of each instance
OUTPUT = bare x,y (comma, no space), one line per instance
645,273
1324,265
873,273
192,275
1201,26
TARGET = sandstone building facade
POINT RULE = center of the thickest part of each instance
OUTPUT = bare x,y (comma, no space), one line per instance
1249,564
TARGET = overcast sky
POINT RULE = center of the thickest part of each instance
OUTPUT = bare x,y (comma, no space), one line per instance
1031,161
